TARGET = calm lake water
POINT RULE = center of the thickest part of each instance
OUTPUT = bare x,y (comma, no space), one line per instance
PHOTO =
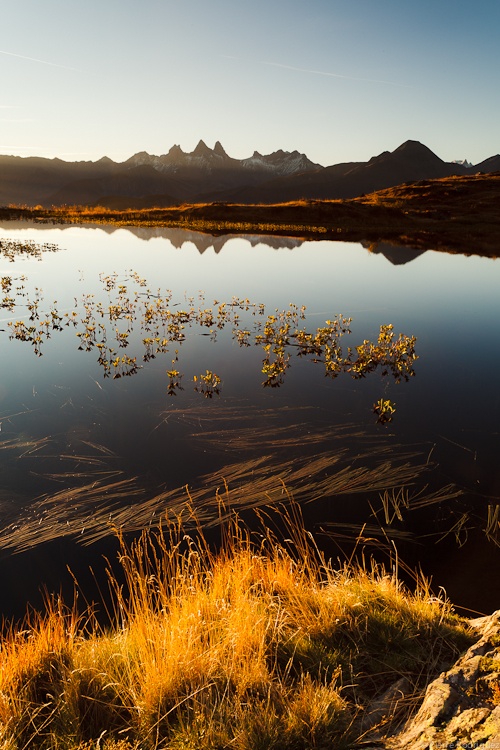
81,451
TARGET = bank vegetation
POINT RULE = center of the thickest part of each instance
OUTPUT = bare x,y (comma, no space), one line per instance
260,644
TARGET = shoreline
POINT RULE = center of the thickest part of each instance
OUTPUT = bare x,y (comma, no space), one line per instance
453,214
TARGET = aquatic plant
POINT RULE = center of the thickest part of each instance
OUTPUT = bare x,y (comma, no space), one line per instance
493,524
96,491
208,385
131,302
14,249
397,499
174,381
394,356
384,409
6,286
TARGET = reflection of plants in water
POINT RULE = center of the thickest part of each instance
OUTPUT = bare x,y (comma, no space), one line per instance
385,410
51,322
6,284
174,382
208,385
274,370
6,287
395,357
95,489
397,499
277,335
15,249
465,521
325,342
493,524
117,366
162,326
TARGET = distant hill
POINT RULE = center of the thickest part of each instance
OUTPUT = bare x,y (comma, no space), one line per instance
210,175
411,162
488,165
32,179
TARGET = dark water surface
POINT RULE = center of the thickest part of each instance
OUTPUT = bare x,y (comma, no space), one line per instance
81,452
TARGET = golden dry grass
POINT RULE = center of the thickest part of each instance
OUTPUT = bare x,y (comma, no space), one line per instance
260,644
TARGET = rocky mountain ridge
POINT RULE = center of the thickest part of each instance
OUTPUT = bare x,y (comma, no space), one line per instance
176,175
204,158
208,175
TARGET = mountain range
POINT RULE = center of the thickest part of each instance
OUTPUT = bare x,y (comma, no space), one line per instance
208,175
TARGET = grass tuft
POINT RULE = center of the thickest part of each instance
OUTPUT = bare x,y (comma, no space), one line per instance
259,644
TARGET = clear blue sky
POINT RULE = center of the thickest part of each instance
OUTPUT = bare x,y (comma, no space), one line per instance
340,80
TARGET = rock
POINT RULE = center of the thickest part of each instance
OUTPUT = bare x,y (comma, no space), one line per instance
461,708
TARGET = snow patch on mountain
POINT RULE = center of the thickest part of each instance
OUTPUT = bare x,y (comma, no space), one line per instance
280,163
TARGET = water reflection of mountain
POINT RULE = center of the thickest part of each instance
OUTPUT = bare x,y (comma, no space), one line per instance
398,255
176,236
395,254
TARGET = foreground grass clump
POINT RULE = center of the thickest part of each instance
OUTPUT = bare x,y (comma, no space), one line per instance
260,645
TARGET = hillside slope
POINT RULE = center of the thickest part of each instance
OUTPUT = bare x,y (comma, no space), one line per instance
410,162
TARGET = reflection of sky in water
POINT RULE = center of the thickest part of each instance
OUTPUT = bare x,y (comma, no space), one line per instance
451,303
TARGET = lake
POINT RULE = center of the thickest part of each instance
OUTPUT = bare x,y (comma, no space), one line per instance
104,426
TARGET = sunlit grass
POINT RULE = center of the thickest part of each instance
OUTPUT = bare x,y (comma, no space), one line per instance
261,644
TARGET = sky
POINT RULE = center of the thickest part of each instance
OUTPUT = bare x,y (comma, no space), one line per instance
338,80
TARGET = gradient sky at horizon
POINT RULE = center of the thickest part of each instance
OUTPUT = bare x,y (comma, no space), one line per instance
340,80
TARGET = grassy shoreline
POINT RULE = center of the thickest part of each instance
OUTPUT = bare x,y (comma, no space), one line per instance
454,214
262,644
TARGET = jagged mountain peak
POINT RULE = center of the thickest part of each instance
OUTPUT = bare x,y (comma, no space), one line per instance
176,150
213,175
202,150
208,160
463,162
218,149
